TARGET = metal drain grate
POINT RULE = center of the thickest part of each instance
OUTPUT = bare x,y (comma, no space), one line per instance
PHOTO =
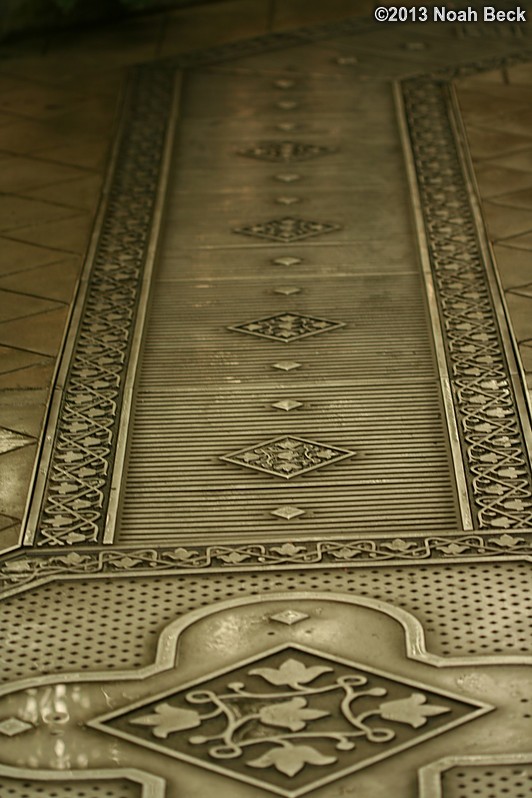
501,781
114,624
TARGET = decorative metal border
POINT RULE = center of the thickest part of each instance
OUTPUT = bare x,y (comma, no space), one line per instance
31,569
77,485
76,472
486,402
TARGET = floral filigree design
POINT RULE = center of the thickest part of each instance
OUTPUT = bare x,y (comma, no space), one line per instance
288,456
285,151
294,712
27,571
287,230
493,444
287,327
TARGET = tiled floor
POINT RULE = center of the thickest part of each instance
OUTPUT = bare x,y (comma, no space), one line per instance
395,558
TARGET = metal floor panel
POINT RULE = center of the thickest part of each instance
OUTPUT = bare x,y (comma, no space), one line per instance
280,535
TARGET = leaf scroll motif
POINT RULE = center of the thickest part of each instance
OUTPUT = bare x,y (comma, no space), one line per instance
291,714
292,673
413,710
290,759
168,719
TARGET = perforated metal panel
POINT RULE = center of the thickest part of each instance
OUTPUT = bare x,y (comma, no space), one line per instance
114,624
500,781
9,788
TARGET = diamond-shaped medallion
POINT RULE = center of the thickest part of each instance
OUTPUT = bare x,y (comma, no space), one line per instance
287,229
290,719
288,456
287,327
285,151
288,511
10,727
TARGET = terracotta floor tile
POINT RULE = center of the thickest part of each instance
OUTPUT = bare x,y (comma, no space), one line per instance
105,82
218,23
19,306
82,193
6,521
19,173
93,117
486,143
520,74
525,290
521,161
292,13
10,440
39,376
503,222
67,235
86,153
13,359
24,136
495,180
18,211
37,101
15,472
525,353
517,123
514,266
482,105
520,308
10,536
495,77
515,199
16,256
55,281
520,242
42,333
22,411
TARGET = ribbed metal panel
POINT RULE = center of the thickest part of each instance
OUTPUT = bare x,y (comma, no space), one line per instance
365,382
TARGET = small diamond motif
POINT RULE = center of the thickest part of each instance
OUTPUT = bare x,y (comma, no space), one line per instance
287,327
286,365
287,290
287,229
287,456
287,200
287,404
289,177
286,105
287,261
284,84
284,151
288,512
13,726
287,127
289,617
